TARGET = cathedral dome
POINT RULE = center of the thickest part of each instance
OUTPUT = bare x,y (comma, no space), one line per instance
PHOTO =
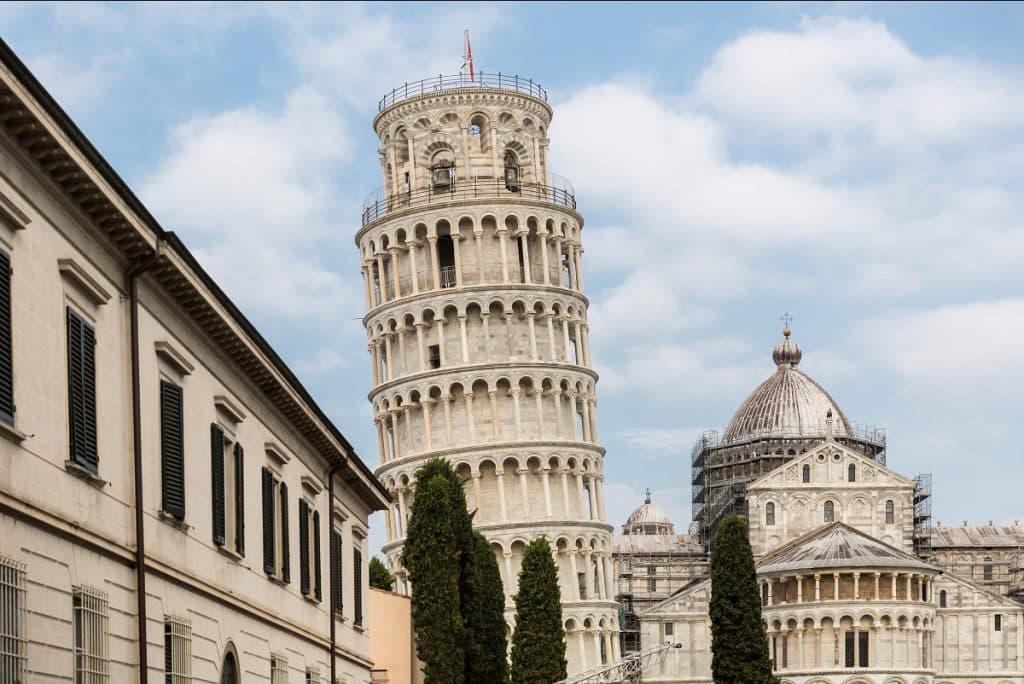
788,404
648,519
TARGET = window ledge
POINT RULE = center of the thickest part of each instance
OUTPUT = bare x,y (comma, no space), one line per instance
230,553
340,617
276,580
12,433
174,522
311,597
358,627
83,473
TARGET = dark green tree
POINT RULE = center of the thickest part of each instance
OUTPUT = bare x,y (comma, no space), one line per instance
483,611
538,646
380,576
432,557
739,643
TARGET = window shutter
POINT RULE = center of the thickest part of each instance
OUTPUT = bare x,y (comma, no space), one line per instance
269,566
172,449
82,391
317,588
336,586
303,547
217,481
239,499
286,561
6,352
357,584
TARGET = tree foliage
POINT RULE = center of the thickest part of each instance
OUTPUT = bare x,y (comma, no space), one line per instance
538,646
483,611
380,576
739,643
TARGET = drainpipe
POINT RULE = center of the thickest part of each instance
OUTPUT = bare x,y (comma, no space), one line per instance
140,537
335,467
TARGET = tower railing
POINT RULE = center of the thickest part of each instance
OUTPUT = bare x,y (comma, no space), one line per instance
377,206
434,84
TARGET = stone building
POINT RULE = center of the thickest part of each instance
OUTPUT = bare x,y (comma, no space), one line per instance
174,506
478,338
850,593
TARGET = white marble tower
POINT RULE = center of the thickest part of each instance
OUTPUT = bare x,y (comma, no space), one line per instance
477,330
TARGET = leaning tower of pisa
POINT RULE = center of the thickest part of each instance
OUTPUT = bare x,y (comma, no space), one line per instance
477,329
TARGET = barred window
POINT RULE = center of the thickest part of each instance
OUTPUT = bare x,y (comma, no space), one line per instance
92,635
177,650
278,669
12,620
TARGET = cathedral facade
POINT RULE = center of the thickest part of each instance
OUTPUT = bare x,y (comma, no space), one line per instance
857,586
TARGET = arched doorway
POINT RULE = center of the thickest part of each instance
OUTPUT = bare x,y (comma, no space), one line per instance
229,670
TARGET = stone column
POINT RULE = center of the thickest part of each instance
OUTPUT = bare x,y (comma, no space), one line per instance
421,347
381,448
478,238
394,433
581,644
469,417
403,508
549,316
446,401
524,240
601,584
500,474
476,493
368,287
571,397
533,336
565,493
388,362
495,427
425,403
402,369
878,578
579,493
518,415
817,587
589,574
504,255
486,318
586,419
538,397
799,588
464,340
565,338
579,267
435,269
835,586
510,578
545,473
525,491
413,245
442,354
456,239
575,575
544,257
856,586
395,275
599,490
382,281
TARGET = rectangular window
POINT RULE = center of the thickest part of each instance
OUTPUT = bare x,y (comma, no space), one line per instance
278,669
849,642
582,578
12,620
276,561
357,586
312,675
668,628
999,622
172,450
337,602
91,610
435,355
82,392
862,649
227,475
309,550
177,650
6,348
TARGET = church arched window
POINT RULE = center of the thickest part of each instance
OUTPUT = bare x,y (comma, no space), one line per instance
890,512
942,599
806,473
830,511
851,473
769,513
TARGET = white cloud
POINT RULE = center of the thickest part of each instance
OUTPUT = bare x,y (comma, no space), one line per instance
660,442
681,371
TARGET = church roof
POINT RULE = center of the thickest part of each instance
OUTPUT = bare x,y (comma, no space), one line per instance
787,404
647,514
982,535
654,544
837,545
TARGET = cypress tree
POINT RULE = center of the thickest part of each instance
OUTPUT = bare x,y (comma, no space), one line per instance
483,610
432,557
538,646
380,576
739,643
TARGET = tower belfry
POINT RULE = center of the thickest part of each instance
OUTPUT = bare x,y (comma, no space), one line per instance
478,337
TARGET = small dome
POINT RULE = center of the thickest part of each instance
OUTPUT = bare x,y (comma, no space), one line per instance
788,404
648,519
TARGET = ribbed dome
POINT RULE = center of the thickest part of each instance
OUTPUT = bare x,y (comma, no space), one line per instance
648,519
787,404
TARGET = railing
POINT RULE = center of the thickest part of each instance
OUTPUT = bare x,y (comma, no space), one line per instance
448,276
376,206
438,83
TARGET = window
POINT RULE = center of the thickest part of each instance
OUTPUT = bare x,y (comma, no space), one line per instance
435,355
337,602
785,650
177,650
830,511
582,579
849,659
474,129
862,649
856,651
278,669
806,473
228,482
769,513
6,352
446,260
986,569
942,599
82,392
999,622
890,512
92,663
312,675
652,580
172,450
276,558
357,588
12,620
851,473
309,550
668,628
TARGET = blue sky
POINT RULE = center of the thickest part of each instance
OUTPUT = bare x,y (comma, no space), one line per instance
857,165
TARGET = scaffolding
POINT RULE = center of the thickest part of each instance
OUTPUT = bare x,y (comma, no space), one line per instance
1016,589
923,516
627,670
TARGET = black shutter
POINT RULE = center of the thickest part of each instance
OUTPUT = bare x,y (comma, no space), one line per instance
172,449
336,585
303,547
82,391
357,585
286,561
317,589
6,353
269,566
217,482
239,499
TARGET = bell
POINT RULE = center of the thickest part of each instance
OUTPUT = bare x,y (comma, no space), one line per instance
512,178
